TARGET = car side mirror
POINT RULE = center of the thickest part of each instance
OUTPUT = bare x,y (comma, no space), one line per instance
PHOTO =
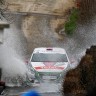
73,63
26,61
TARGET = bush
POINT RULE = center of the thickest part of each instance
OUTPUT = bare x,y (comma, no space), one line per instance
70,26
84,76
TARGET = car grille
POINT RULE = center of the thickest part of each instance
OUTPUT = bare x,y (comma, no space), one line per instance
48,76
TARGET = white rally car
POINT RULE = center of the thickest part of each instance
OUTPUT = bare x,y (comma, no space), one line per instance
49,63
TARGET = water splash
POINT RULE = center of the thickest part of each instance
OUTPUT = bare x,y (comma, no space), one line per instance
12,66
13,52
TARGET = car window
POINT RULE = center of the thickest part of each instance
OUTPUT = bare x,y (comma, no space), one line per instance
40,57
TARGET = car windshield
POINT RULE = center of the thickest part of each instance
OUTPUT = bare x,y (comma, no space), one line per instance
49,57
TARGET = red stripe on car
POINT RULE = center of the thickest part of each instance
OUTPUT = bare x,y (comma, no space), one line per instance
49,67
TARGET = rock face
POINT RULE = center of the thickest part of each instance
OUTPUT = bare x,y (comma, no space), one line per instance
82,80
87,10
40,6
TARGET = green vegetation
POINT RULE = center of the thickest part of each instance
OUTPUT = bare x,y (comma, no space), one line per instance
70,25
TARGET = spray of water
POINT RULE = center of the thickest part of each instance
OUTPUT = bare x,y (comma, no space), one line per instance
13,68
12,55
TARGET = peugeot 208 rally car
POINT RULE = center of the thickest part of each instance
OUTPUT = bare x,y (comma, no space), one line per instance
49,63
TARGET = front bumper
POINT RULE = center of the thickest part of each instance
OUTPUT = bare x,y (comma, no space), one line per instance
43,76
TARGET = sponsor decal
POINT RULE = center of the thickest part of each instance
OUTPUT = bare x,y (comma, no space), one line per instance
49,67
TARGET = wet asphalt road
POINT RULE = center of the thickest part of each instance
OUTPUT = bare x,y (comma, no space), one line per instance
45,89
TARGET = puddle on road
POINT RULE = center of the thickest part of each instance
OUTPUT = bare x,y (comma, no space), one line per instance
49,87
43,88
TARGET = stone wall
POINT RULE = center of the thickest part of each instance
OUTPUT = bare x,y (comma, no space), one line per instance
3,25
55,6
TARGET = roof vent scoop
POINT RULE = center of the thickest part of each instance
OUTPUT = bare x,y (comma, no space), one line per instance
49,49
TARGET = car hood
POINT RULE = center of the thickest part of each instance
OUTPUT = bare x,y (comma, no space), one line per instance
49,66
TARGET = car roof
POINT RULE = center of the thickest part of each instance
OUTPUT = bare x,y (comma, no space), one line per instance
49,50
